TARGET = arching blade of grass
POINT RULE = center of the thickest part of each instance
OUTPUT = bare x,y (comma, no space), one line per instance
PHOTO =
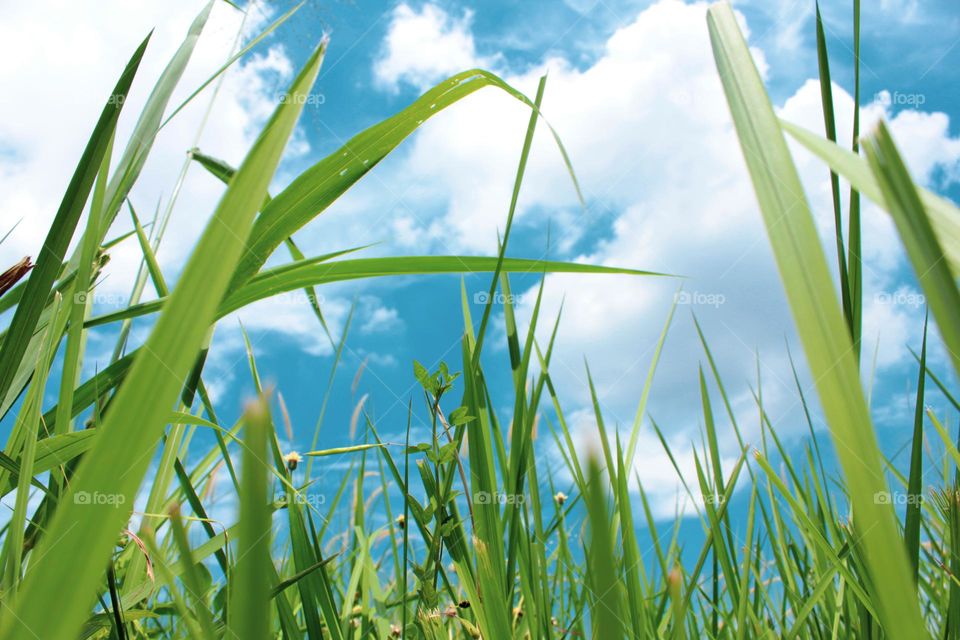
296,276
924,250
48,263
316,188
819,320
118,461
135,155
944,216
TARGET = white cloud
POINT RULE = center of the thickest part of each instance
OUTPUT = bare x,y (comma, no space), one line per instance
424,46
382,319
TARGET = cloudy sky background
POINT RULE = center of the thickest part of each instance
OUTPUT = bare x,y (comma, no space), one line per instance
633,92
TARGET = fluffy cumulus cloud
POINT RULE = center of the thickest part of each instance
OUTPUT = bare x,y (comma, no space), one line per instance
425,45
647,127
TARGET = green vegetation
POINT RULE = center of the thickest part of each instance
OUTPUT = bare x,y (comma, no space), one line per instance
479,540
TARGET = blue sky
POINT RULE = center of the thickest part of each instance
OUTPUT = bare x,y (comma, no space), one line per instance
633,93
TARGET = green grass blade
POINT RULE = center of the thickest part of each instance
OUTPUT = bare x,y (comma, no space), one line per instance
647,385
80,306
830,128
854,260
249,615
944,215
818,318
514,196
191,576
607,611
296,276
911,528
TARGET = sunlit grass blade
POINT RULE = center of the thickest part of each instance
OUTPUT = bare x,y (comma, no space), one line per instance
296,276
818,318
944,216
